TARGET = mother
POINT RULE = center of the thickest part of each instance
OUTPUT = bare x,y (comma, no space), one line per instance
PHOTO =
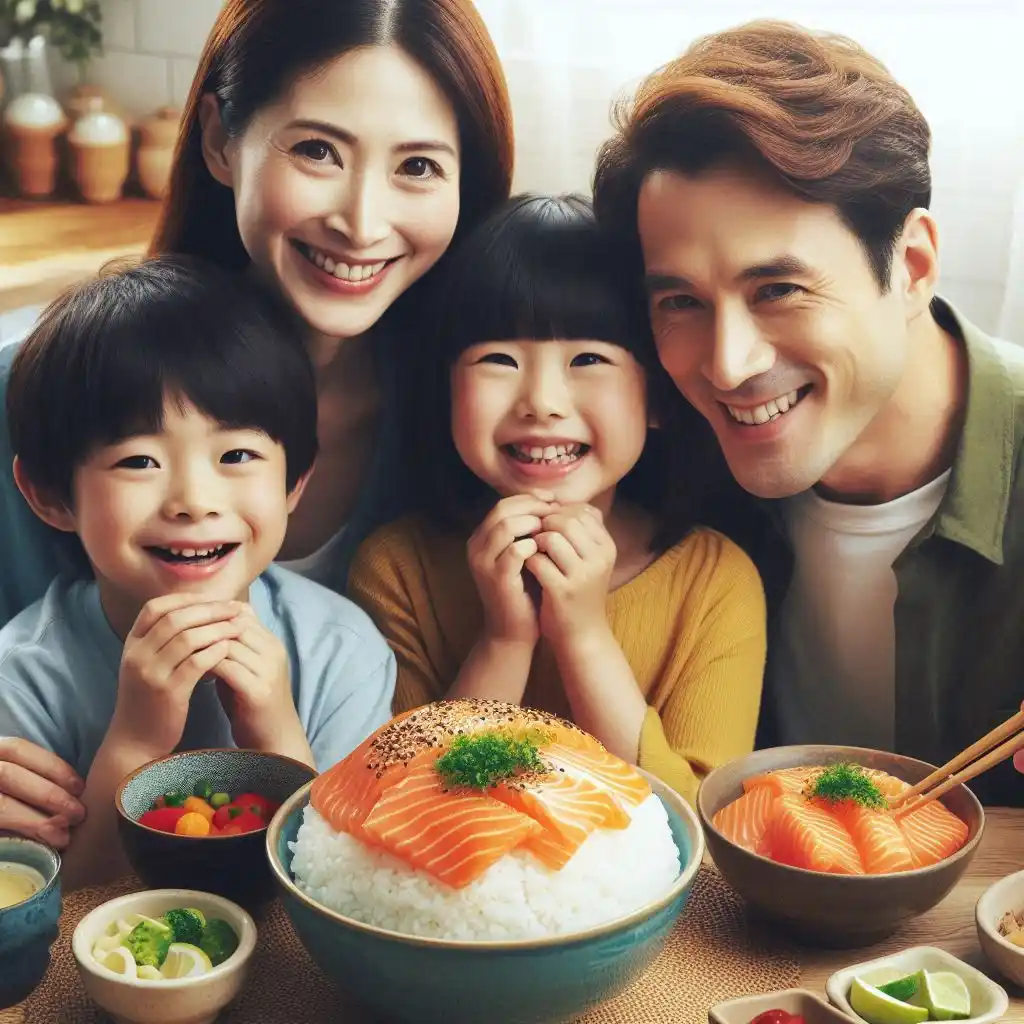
334,150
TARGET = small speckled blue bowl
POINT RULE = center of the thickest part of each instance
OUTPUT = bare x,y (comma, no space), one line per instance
29,928
403,978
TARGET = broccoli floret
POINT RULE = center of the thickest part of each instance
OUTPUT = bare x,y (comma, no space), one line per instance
149,942
187,924
219,940
203,789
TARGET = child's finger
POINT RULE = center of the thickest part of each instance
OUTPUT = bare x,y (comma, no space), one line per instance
516,505
506,533
578,530
558,548
185,644
178,620
154,611
544,571
193,668
510,562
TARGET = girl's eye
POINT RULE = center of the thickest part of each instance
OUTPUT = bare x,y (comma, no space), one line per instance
677,303
778,290
316,150
499,359
237,456
421,167
137,462
588,359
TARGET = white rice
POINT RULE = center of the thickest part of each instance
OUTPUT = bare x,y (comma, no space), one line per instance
612,874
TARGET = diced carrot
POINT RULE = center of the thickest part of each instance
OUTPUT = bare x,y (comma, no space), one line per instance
198,805
192,824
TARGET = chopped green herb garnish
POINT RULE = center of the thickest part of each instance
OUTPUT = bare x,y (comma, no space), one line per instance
486,758
845,781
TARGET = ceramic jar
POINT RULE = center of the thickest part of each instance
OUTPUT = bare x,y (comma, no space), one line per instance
100,145
32,124
157,138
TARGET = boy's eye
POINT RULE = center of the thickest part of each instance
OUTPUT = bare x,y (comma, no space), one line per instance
237,456
422,167
499,359
588,359
317,151
137,462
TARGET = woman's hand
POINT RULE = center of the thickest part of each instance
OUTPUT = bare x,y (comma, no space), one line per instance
573,565
38,793
497,551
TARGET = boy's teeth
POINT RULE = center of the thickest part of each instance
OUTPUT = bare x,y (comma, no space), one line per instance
195,552
763,413
345,271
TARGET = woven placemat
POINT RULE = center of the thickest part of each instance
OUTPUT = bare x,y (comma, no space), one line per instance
714,953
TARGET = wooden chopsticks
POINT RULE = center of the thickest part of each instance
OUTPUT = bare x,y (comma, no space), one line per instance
1002,742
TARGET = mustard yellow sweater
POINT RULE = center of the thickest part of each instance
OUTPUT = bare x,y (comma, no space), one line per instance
692,627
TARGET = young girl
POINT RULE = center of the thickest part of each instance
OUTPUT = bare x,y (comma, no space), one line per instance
546,567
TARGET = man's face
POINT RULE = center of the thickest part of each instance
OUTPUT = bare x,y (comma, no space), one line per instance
770,321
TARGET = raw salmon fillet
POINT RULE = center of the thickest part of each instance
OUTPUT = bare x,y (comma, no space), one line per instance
776,818
387,793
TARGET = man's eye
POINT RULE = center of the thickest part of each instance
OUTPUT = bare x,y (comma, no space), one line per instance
138,462
677,303
777,290
499,359
316,150
588,359
237,456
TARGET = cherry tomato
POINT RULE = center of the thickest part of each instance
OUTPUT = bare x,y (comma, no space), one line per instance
163,819
248,822
225,815
254,802
777,1017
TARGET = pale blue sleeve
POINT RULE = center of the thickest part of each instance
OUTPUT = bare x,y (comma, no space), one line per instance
29,553
24,714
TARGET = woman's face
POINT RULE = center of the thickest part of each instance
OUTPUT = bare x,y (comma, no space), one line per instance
347,188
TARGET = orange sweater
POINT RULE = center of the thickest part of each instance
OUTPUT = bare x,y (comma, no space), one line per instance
692,627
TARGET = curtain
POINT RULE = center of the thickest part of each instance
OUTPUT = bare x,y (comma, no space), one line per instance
567,61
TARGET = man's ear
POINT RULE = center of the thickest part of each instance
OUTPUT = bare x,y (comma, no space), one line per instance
296,493
917,253
215,140
50,509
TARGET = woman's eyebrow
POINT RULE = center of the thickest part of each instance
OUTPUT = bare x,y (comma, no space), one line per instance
337,132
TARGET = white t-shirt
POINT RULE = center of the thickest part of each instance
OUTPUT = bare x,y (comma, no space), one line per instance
833,667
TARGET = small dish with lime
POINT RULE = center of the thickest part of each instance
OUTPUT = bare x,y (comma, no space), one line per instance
916,986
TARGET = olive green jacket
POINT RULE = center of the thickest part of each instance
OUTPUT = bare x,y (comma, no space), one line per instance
959,612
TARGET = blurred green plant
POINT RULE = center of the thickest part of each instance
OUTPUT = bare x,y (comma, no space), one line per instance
73,27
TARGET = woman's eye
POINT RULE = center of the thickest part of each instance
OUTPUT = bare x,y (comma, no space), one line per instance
588,359
498,359
137,462
677,303
237,456
316,150
421,167
776,291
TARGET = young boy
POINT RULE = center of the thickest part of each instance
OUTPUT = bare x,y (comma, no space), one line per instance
166,417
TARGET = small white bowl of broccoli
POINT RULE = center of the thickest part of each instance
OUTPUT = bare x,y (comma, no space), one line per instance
164,956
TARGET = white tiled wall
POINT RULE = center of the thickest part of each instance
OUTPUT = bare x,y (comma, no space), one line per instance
150,52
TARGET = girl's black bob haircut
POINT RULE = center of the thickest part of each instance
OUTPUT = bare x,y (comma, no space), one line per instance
540,268
104,357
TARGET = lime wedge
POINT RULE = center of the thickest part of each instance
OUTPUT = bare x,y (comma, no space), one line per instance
185,961
945,996
150,973
120,961
901,988
878,1008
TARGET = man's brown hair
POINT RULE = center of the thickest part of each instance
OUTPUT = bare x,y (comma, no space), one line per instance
825,115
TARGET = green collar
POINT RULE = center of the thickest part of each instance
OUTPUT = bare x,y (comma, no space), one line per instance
974,508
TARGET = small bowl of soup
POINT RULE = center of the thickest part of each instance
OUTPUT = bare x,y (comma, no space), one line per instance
30,905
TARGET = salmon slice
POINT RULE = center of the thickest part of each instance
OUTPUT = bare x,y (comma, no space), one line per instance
745,821
883,847
568,807
804,834
784,780
607,770
453,835
933,833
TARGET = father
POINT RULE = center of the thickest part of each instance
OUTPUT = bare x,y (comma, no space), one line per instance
776,184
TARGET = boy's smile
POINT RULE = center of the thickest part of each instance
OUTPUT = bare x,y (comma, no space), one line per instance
197,507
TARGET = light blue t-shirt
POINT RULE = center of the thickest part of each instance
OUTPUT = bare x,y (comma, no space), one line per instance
31,554
59,662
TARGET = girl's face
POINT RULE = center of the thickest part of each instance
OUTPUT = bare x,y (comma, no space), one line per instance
347,188
563,416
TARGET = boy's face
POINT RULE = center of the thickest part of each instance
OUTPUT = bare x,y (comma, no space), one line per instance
568,417
770,321
195,508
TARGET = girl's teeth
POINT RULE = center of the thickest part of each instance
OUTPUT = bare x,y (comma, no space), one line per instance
549,453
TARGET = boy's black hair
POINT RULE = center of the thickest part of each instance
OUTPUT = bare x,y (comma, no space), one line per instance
103,358
542,268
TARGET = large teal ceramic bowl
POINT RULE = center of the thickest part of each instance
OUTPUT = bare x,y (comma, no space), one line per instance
402,978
